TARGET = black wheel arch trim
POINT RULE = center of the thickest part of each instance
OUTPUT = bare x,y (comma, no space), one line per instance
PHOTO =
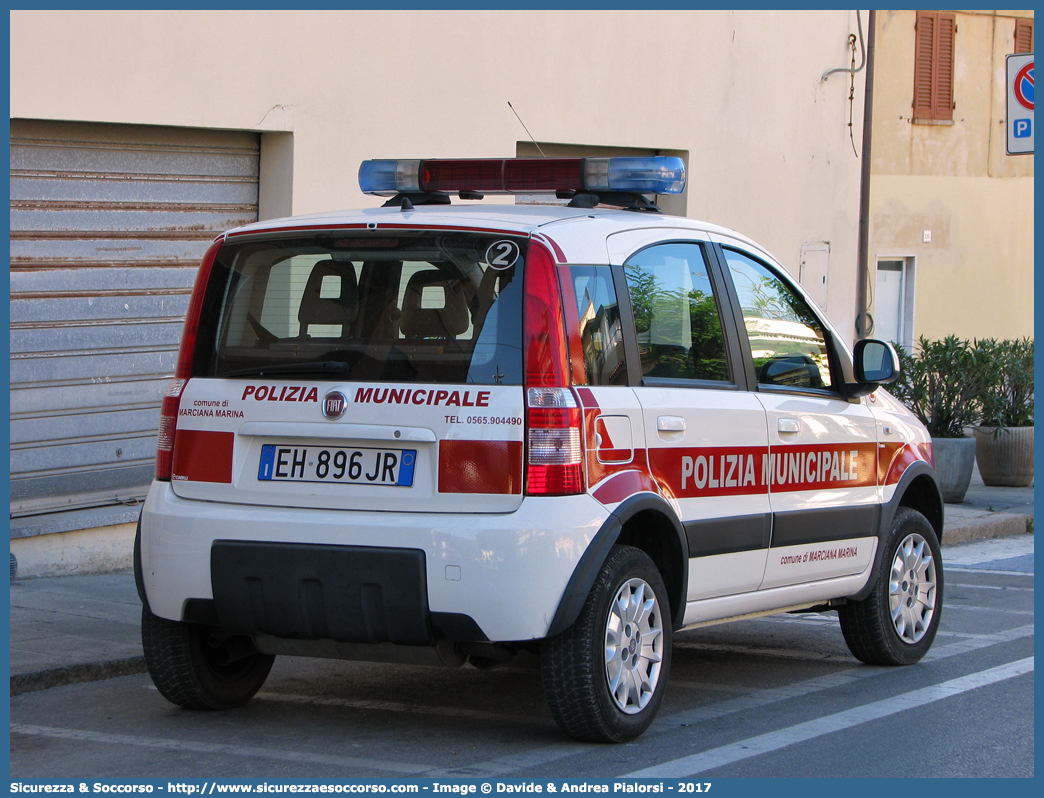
591,561
139,575
913,472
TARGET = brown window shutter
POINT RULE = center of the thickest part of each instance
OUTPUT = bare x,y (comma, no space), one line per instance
1024,36
944,67
925,45
933,66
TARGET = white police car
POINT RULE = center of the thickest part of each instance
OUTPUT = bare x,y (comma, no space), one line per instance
435,433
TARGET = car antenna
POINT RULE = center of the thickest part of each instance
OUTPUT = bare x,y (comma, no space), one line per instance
526,129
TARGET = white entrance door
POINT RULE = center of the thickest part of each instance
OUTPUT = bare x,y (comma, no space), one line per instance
889,301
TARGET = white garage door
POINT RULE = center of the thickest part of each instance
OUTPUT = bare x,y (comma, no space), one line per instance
108,226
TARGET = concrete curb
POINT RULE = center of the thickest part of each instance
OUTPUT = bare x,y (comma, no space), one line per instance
74,674
994,525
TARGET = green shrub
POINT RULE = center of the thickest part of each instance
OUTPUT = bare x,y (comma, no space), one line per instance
943,384
1008,399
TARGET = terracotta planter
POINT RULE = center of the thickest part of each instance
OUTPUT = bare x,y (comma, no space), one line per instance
954,462
1005,460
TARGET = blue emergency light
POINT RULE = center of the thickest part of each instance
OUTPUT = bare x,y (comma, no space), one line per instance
658,174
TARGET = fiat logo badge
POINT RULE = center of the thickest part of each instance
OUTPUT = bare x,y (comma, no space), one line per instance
334,404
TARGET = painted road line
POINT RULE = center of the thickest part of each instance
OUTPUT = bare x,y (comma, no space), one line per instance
397,706
799,654
512,763
713,687
811,619
780,653
989,571
975,643
972,608
755,698
166,744
989,587
802,732
982,551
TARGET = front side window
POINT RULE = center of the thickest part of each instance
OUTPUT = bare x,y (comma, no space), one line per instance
411,307
787,340
675,313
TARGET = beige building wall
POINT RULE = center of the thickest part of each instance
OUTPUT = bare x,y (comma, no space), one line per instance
766,140
975,277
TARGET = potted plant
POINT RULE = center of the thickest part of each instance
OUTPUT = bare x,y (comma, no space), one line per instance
943,384
1004,439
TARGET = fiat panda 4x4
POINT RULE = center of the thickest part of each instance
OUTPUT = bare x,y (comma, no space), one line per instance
447,433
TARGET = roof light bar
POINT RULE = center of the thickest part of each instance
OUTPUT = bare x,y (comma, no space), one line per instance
658,174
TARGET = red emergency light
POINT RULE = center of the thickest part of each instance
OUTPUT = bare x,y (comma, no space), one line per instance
651,175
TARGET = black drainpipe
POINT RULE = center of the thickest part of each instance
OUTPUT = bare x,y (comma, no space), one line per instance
862,267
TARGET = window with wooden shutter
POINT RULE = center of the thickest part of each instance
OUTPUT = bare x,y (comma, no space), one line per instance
933,67
1024,36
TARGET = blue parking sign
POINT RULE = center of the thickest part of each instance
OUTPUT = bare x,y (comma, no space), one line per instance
1020,104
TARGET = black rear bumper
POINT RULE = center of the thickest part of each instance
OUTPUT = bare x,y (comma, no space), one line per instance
352,594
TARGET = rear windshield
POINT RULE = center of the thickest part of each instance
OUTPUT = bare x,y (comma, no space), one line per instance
417,307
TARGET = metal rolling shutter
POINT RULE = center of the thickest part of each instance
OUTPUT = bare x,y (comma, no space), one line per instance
108,225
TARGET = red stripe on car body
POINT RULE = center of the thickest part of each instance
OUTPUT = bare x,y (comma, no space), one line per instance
623,485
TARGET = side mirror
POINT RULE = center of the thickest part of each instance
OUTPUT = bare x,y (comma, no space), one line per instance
876,363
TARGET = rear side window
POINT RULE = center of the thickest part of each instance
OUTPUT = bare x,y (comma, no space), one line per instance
596,323
404,308
675,313
787,340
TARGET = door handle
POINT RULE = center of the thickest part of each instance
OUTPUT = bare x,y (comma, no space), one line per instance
788,425
670,424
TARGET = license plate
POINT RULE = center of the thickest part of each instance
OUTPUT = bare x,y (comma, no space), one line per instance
335,464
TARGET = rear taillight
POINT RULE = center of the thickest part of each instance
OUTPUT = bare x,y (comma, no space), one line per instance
554,447
554,439
168,421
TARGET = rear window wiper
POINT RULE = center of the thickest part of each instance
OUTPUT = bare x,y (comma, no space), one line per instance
320,367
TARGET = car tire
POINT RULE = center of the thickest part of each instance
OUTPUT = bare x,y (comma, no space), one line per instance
604,677
897,622
195,667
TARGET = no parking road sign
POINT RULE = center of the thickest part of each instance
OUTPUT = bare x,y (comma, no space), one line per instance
1020,104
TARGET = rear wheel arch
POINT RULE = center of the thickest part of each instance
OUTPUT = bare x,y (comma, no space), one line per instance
139,572
646,522
655,533
605,676
199,667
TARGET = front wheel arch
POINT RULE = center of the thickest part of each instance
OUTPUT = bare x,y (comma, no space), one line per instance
918,489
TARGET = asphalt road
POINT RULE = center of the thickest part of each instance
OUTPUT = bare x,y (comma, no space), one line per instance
772,697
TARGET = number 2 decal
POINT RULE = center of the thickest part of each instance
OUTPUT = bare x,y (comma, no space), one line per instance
502,254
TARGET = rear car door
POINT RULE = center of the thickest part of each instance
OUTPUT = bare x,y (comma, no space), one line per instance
822,454
705,433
